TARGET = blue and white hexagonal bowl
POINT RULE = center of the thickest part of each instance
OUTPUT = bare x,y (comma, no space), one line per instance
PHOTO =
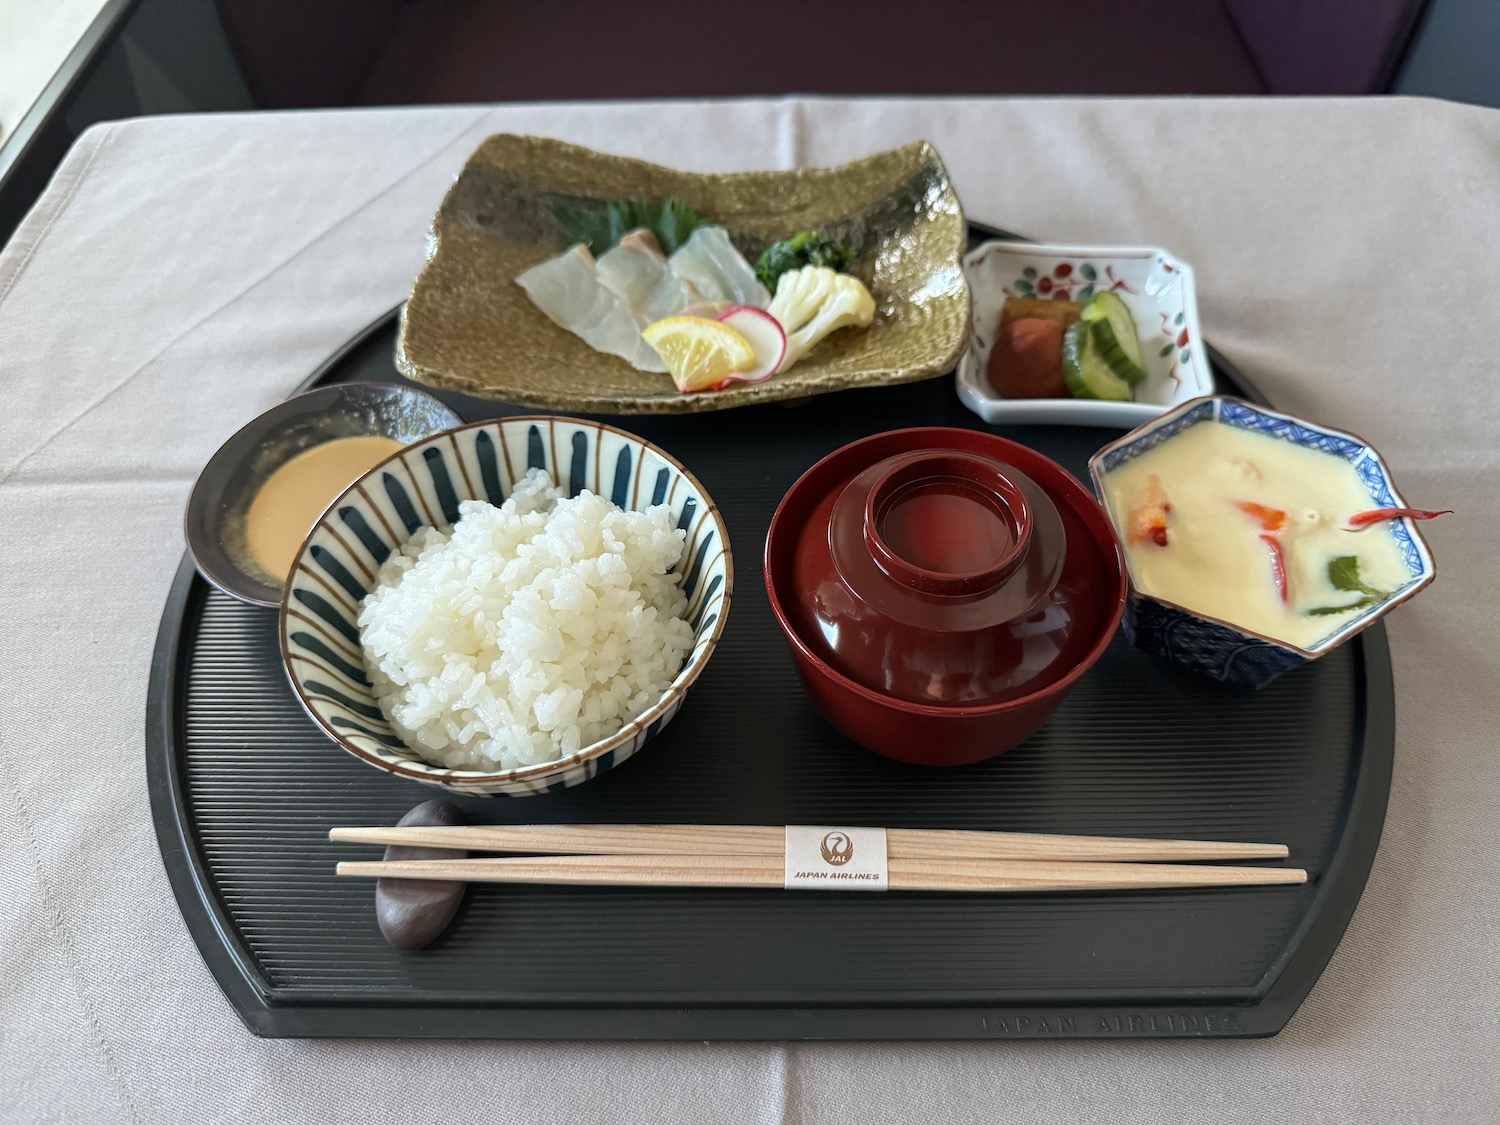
423,486
1230,652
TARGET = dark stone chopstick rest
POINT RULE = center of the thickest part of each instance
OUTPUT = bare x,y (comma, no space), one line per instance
413,912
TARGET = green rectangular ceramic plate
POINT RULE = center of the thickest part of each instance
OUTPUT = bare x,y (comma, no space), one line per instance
469,327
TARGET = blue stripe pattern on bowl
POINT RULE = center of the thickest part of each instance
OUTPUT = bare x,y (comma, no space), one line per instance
422,486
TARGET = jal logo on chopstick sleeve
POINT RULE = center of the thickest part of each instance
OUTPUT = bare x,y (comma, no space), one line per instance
835,859
837,848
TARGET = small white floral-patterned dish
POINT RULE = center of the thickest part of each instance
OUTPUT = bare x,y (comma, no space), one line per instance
1157,288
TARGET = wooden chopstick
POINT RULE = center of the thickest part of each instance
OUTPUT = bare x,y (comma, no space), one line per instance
770,840
769,871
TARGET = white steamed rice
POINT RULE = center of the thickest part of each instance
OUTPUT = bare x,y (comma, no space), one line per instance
528,631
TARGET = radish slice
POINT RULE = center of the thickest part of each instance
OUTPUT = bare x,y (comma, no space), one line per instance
765,336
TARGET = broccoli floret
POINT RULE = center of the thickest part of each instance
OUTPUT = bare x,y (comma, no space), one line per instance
805,248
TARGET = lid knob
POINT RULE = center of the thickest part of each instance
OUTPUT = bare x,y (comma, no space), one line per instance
947,523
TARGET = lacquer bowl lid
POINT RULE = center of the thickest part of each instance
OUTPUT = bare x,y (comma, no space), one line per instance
958,570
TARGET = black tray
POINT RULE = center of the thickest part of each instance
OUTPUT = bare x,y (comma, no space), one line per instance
244,787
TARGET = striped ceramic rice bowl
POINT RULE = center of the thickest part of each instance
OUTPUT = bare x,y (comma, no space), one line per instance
424,487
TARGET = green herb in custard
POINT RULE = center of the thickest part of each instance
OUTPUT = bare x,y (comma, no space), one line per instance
1343,572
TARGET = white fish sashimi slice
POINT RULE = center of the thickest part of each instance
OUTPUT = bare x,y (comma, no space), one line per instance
636,272
714,270
564,287
634,269
607,303
642,239
567,289
710,310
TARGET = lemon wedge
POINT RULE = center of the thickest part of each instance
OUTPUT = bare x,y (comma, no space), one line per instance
700,353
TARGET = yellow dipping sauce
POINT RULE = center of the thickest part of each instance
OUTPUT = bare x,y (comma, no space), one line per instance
295,495
1216,563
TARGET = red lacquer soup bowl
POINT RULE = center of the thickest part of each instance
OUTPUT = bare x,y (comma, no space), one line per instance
941,590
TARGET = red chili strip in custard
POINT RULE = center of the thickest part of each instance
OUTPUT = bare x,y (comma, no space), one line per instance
1278,564
1271,519
1376,515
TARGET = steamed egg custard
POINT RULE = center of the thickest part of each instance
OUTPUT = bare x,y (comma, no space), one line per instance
1237,525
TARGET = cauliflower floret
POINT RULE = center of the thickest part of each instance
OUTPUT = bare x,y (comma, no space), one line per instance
814,301
799,294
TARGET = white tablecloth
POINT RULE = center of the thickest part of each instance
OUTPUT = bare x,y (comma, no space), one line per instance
182,274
